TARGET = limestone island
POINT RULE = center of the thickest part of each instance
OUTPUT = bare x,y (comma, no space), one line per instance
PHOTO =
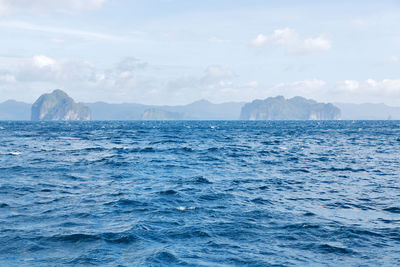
58,106
296,108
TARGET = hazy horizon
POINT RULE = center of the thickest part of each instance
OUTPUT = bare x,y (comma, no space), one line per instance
203,99
171,52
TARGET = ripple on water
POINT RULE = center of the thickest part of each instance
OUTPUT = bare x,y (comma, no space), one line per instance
200,193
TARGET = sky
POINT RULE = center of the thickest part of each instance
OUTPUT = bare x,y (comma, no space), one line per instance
180,51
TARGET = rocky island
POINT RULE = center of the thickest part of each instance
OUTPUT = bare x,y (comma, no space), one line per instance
59,106
296,108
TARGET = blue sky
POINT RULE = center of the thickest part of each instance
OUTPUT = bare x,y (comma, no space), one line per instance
180,51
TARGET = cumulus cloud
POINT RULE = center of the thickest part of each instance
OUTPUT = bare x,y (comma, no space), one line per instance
216,73
123,75
42,68
131,64
316,44
350,91
8,7
284,36
370,89
213,75
133,80
291,39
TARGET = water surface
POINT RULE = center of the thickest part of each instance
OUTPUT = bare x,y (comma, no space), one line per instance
204,193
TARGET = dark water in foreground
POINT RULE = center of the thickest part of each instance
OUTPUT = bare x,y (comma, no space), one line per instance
200,193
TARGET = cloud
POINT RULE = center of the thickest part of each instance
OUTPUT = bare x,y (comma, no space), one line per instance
350,91
213,75
42,61
42,68
370,88
62,31
216,73
291,39
130,64
133,80
218,40
8,7
284,36
316,44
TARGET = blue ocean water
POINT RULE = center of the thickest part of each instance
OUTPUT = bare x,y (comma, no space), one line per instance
191,193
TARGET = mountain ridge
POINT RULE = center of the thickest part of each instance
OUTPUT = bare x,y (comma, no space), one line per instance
18,110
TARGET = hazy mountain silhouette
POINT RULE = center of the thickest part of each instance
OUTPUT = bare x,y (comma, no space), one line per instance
199,110
296,108
15,110
368,111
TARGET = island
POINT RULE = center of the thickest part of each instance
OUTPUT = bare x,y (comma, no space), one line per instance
59,106
296,108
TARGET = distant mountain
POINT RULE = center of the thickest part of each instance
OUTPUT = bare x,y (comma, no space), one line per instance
158,114
199,110
296,108
58,106
205,110
368,111
271,108
14,110
125,111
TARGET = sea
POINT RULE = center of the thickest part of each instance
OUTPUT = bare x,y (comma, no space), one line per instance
200,193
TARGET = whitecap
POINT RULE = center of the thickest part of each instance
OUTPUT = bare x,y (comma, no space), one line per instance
181,208
14,153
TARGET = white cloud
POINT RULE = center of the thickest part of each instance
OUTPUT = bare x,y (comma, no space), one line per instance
284,36
132,80
8,7
42,68
130,64
371,90
61,31
316,44
42,61
253,84
348,91
290,38
351,85
217,73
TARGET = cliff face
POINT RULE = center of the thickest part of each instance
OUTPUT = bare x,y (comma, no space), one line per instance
297,108
59,106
